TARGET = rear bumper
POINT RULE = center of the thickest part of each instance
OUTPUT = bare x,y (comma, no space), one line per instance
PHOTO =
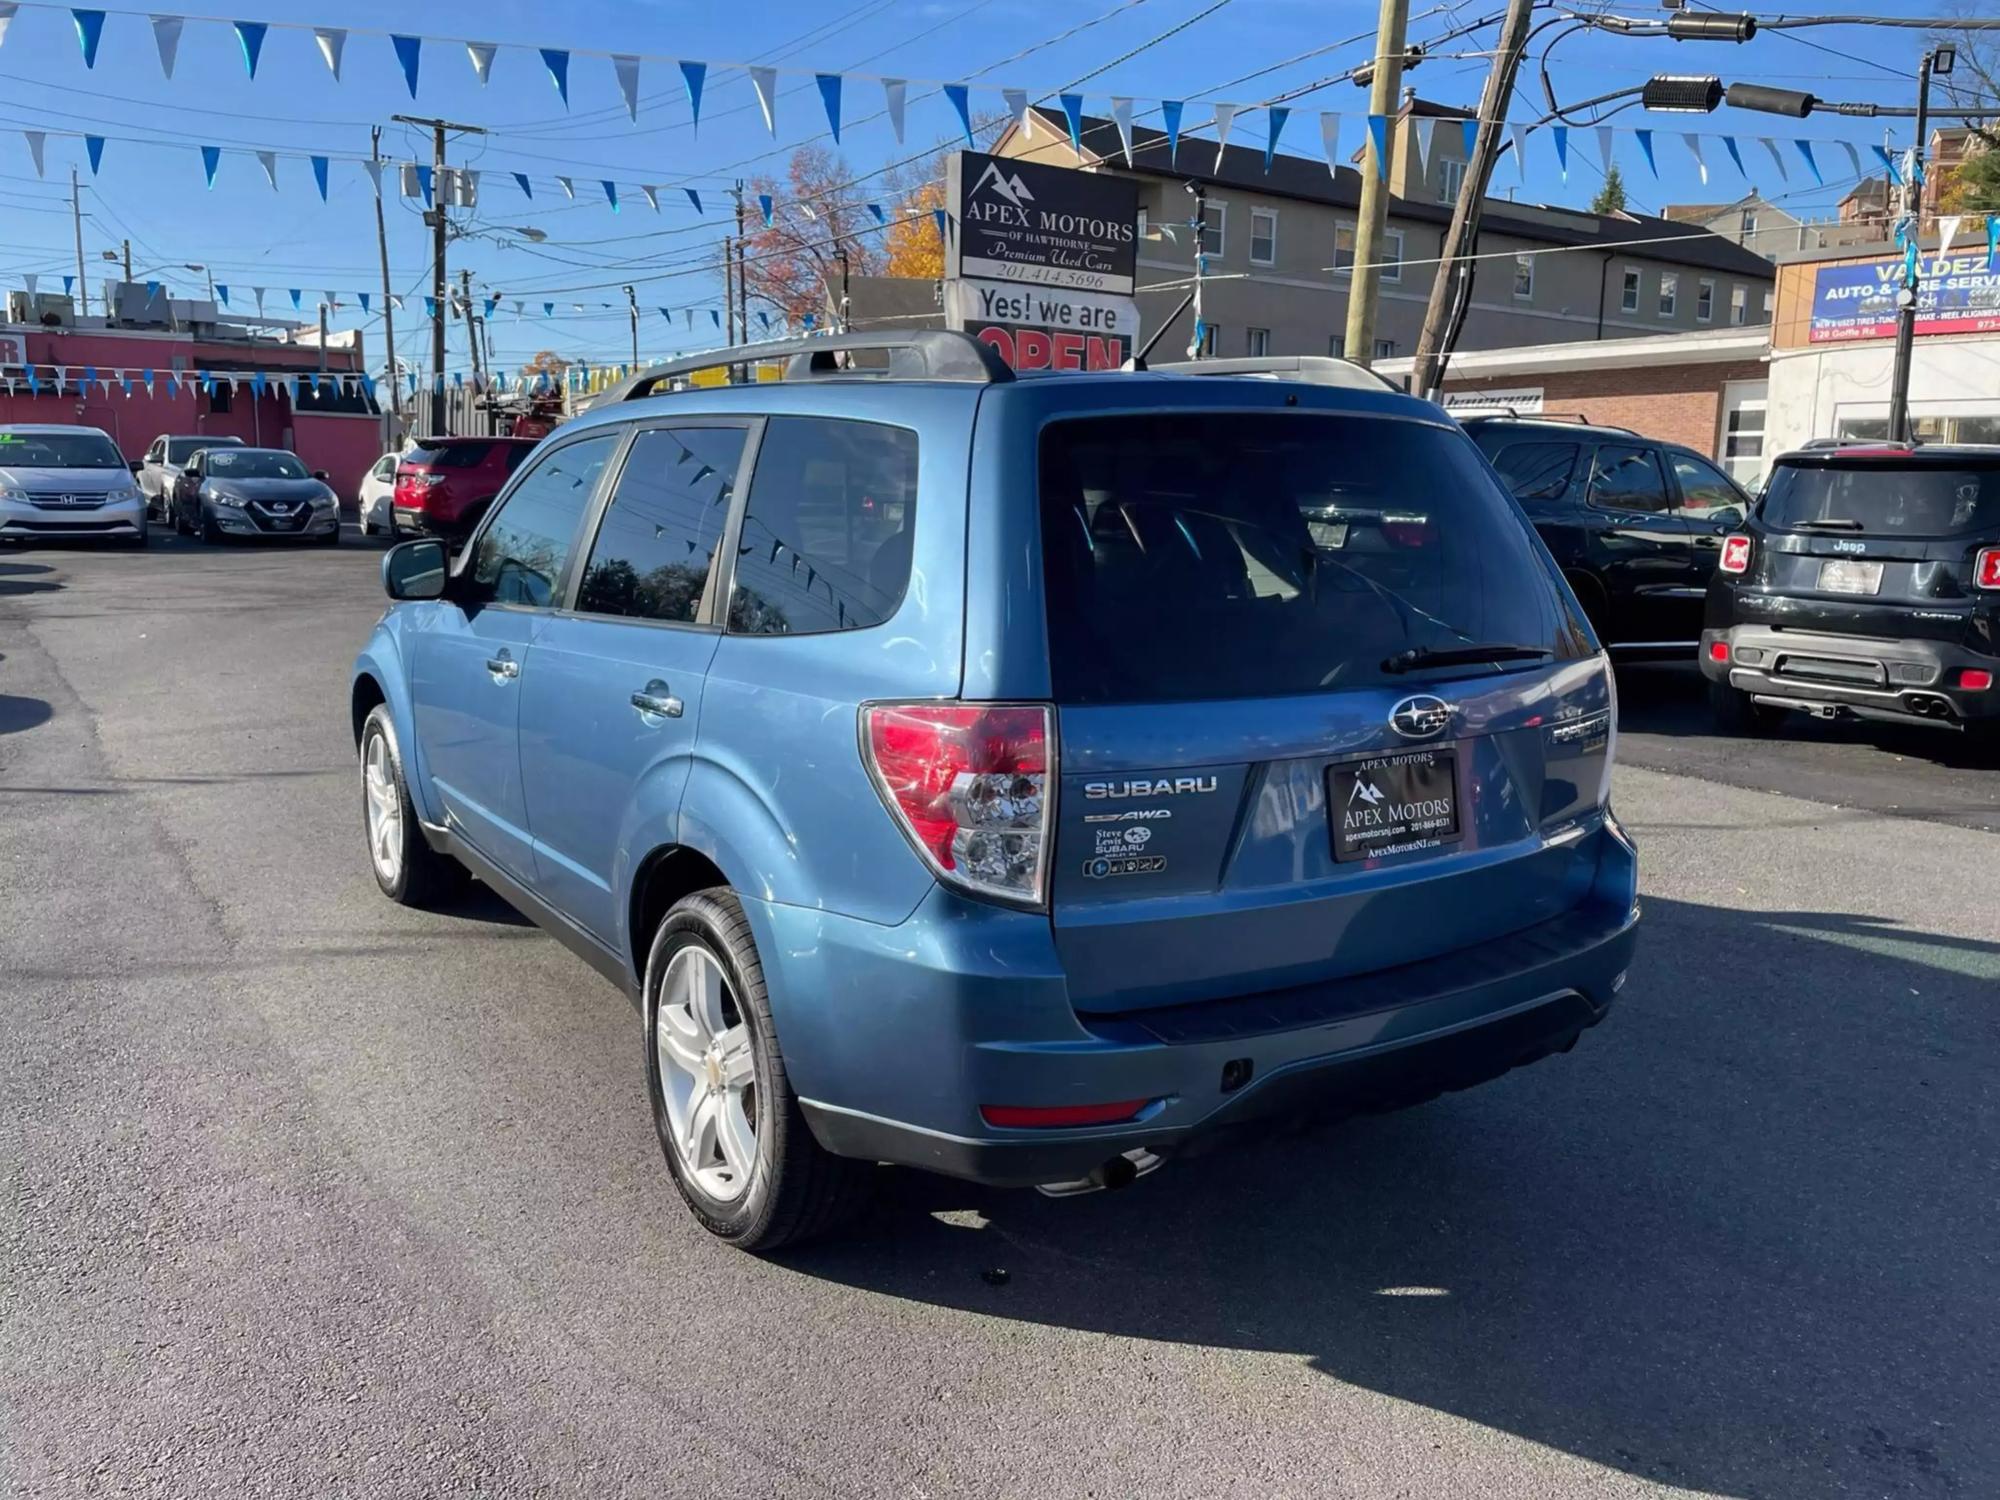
893,1054
1901,681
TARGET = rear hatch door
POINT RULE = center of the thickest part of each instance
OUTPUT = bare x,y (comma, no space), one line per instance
1322,707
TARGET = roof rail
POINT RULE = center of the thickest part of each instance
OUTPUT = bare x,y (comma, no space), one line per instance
1496,413
1312,369
919,354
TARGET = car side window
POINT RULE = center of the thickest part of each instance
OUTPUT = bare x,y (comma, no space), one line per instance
826,529
1705,489
656,545
385,466
519,556
1537,471
1625,477
154,453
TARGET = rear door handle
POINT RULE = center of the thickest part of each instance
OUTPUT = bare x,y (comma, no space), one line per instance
503,667
656,701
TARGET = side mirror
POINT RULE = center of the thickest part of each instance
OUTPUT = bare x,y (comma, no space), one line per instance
1730,516
136,465
414,570
322,476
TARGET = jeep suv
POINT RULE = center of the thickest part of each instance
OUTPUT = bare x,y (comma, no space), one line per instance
444,484
1866,584
1635,524
1021,778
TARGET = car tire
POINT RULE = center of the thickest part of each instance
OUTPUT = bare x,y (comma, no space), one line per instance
331,539
793,1189
143,539
210,532
406,868
1735,713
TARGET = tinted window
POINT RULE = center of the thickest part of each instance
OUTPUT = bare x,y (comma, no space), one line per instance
59,450
520,556
1210,555
826,532
1626,478
656,544
512,455
253,463
1537,471
449,455
1705,489
181,449
1887,499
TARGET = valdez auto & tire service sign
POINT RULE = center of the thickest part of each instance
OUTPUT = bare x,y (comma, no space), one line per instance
1955,294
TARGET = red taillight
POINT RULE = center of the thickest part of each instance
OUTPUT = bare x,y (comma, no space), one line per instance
1032,1116
1735,555
1975,679
968,783
1718,651
1986,568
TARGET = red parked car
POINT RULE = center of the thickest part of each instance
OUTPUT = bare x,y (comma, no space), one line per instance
444,484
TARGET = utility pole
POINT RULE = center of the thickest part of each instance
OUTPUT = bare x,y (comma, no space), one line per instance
1433,343
1385,89
322,338
472,322
1199,224
440,225
388,306
740,309
128,260
76,218
1913,215
632,303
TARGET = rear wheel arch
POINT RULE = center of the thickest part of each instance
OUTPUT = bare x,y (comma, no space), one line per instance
664,877
366,695
1589,593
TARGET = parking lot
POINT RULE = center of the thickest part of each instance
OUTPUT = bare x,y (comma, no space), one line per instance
308,1193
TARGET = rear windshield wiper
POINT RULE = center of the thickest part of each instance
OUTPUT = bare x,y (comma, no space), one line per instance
1838,523
1424,656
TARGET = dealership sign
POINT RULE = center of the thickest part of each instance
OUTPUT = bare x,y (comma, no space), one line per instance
1045,328
1955,294
1519,401
13,349
1049,226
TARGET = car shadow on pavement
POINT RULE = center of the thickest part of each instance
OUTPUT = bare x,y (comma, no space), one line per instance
1740,1240
18,713
27,578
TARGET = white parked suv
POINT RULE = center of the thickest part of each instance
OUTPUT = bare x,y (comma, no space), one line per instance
63,482
163,463
377,494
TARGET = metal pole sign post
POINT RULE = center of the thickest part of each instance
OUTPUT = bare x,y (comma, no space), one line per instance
1041,262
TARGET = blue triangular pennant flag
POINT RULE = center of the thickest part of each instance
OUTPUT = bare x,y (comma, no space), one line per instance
1729,145
667,313
881,215
557,62
430,307
1468,131
1645,139
940,218
961,101
424,175
69,285
251,35
829,95
93,146
694,75
222,293
257,381
1895,172
34,385
295,297
319,165
125,385
764,207
1560,134
89,377
491,303
1278,118
521,178
89,28
1805,150
548,309
152,292
211,158
1072,108
610,192
364,300
1378,133
368,384
409,51
765,319
1170,115
147,377
715,317
1992,240
694,198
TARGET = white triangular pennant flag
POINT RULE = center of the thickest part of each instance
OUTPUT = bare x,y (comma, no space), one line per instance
1426,127
481,54
37,143
1016,101
652,197
568,187
332,42
1853,156
1329,139
167,39
1947,232
7,11
1604,155
1121,116
765,82
1694,149
259,291
28,279
1777,158
628,81
269,161
1224,113
374,171
894,94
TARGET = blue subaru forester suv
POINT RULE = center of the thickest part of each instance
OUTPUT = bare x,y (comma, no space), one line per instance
1022,778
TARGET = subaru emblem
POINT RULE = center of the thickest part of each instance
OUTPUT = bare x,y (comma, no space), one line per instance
1421,717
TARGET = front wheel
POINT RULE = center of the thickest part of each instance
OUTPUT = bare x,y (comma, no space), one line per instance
1737,713
210,532
735,1139
408,870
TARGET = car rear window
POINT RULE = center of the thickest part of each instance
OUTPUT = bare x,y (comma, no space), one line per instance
1913,500
1537,471
181,449
449,455
1214,555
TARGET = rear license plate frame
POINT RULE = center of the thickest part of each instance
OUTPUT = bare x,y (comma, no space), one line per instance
1850,575
1402,815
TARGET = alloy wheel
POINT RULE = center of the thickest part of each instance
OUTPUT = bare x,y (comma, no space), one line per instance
708,1074
384,809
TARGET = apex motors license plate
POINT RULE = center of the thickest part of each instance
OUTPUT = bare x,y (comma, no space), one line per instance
1847,575
1394,804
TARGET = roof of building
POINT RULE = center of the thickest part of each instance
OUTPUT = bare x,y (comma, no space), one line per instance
1309,180
1694,346
1412,105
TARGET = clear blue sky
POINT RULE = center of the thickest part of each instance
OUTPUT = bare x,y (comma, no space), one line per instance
150,186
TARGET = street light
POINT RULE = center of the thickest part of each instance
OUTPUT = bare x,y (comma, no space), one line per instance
195,265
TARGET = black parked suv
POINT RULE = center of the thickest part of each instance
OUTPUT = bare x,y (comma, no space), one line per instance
1635,524
1866,583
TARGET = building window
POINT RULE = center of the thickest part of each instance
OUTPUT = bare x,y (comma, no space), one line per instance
1385,348
1749,222
1704,300
1145,225
1343,249
1670,291
1211,336
1524,278
1215,227
1629,301
1739,305
1451,177
1767,304
1392,255
1336,346
1257,344
1263,236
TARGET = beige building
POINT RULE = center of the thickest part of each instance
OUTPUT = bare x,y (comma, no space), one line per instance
1761,226
1281,242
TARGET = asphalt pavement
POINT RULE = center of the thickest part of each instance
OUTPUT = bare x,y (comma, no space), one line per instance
302,1193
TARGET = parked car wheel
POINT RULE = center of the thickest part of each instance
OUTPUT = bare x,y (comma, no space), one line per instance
737,1143
210,532
1736,713
331,539
408,870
